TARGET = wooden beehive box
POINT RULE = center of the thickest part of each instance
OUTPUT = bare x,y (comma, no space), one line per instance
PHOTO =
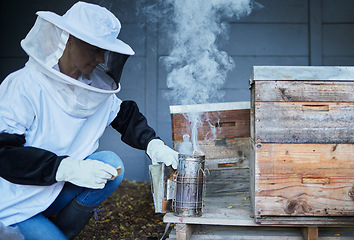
302,143
228,146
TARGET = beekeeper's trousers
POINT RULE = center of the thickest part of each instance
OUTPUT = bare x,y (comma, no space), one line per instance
40,227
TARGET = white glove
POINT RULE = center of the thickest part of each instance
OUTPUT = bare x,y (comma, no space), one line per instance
85,173
160,153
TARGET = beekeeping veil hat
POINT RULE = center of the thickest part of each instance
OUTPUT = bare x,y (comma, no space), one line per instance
45,44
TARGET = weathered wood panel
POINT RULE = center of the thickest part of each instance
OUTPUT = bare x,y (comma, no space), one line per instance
252,176
304,122
302,73
306,221
183,231
227,124
228,210
233,207
302,125
265,233
304,179
304,91
226,153
310,233
204,232
228,183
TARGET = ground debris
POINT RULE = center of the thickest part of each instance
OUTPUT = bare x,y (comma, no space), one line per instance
128,214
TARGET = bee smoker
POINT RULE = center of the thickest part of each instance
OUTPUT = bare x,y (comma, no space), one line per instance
189,185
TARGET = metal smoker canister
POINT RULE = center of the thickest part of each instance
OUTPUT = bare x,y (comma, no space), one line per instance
190,185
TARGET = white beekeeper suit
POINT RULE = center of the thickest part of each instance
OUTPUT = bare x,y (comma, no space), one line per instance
57,113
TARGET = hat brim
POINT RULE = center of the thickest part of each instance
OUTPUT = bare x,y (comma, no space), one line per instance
115,46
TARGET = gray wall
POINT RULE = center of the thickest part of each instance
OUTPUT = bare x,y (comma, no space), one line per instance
292,32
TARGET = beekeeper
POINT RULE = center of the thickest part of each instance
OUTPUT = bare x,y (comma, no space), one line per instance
53,112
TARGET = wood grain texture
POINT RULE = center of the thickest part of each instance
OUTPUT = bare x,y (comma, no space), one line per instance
227,124
184,231
303,179
309,233
228,183
226,204
226,153
207,232
303,122
304,91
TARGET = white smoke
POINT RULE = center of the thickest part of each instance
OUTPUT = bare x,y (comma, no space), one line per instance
197,69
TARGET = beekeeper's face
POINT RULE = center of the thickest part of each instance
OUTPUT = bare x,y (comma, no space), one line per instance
84,57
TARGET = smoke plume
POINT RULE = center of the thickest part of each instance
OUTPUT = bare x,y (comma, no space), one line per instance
197,68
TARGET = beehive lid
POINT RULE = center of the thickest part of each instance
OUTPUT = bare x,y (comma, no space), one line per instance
209,107
302,73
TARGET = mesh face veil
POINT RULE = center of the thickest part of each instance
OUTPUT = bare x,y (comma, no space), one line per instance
113,65
45,44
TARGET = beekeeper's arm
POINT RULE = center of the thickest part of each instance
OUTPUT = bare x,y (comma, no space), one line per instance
34,166
28,165
136,132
